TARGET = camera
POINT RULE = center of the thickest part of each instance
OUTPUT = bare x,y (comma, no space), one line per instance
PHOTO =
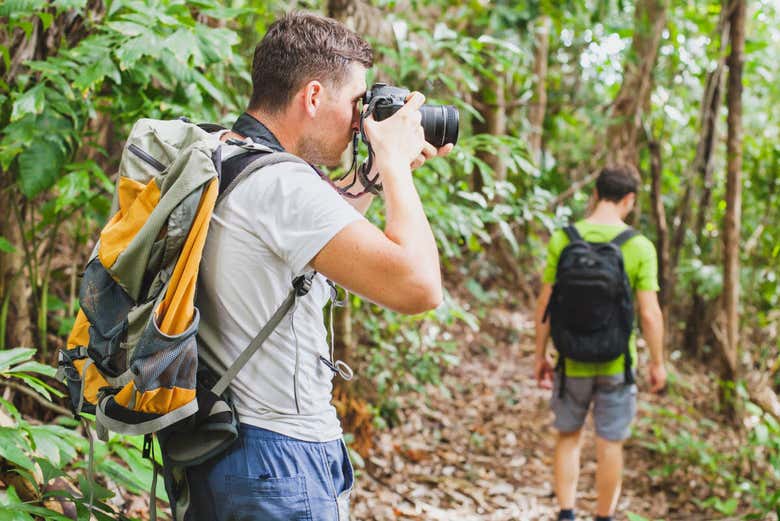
439,122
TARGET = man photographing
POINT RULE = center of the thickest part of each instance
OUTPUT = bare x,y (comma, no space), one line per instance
285,221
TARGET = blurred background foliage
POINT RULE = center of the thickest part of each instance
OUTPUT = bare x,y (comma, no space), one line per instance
535,83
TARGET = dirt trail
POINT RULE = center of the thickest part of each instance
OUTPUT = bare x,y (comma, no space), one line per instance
480,446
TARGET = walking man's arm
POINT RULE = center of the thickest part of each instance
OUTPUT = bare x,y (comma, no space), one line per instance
542,368
652,322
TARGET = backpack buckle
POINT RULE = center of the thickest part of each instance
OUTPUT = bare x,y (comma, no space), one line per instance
302,284
146,452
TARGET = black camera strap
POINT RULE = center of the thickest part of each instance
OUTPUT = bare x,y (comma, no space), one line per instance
370,185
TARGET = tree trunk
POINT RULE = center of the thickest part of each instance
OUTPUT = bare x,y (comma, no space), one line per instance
539,102
731,235
700,312
703,162
626,111
14,288
492,106
363,18
659,214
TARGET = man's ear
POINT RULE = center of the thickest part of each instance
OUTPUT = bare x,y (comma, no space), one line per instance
629,201
313,93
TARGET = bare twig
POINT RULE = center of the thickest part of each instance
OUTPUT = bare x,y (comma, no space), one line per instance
573,189
10,384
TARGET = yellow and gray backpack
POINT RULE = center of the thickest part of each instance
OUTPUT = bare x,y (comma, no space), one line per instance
132,356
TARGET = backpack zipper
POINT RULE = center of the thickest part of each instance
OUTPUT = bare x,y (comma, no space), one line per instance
146,157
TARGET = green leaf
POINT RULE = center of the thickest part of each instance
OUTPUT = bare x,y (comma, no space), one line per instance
6,60
212,90
19,8
49,471
35,367
40,164
127,28
134,49
66,5
509,235
11,409
727,507
13,445
38,385
183,44
6,246
31,102
14,356
99,493
46,19
227,13
11,502
55,443
474,197
42,512
96,72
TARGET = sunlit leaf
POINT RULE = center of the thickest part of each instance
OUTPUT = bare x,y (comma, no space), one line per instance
31,102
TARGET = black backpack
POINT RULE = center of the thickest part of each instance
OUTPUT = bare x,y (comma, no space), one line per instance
591,308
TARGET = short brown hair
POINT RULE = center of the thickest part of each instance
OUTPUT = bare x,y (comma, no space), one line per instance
615,182
298,48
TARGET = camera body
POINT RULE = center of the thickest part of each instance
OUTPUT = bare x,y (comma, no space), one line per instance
389,99
440,122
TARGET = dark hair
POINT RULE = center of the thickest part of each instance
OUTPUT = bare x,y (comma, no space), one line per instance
298,48
615,182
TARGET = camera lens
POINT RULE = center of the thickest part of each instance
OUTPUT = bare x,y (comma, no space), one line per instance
440,124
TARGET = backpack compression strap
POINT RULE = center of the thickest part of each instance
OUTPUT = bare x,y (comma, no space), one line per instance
301,286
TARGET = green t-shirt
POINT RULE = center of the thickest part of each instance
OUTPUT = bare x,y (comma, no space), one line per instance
641,263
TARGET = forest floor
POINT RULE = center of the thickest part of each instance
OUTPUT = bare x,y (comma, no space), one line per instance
479,446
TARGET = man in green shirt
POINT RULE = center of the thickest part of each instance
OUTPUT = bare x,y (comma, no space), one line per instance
602,384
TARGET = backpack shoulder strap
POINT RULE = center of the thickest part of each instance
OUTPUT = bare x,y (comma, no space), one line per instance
572,233
211,127
239,166
624,236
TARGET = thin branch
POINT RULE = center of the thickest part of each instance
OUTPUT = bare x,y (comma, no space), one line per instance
10,384
573,189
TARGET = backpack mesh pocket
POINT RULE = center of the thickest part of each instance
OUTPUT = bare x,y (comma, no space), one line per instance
106,306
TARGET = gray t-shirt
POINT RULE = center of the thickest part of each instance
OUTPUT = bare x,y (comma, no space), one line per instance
261,236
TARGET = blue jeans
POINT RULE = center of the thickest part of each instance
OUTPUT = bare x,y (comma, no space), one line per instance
266,476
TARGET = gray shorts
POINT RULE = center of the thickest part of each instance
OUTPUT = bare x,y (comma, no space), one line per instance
614,405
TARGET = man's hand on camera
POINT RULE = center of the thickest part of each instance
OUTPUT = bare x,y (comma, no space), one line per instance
400,137
428,152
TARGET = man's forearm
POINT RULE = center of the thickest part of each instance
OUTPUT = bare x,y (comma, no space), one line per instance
653,333
541,326
542,335
406,222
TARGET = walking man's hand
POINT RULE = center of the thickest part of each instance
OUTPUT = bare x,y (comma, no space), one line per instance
543,371
657,376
